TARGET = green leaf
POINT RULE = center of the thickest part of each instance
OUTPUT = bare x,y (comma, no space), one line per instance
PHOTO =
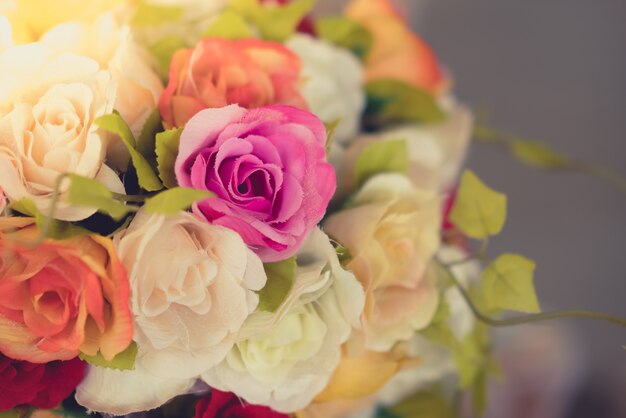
146,142
153,15
93,194
229,25
167,143
538,154
64,413
163,50
57,230
393,101
345,33
428,404
507,283
13,413
123,361
172,201
478,211
331,127
275,22
114,124
390,156
280,278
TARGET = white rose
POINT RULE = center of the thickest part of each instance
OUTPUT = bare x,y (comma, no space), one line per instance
436,151
192,288
48,102
287,357
334,83
392,231
138,87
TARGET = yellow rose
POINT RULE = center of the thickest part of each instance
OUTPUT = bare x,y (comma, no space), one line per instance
32,18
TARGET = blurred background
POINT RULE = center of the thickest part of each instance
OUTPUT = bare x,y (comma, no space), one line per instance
555,71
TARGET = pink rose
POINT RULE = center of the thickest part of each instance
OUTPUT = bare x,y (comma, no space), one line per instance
268,169
219,72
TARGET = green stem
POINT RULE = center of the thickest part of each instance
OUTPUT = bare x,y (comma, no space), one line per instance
488,134
527,319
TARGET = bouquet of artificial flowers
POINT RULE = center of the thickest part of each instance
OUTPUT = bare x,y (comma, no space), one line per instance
237,209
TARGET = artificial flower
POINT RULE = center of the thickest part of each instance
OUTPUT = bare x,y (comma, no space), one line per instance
226,405
397,53
286,358
61,297
6,38
187,313
218,72
48,102
40,385
138,88
435,151
268,170
391,230
333,86
32,18
122,392
3,202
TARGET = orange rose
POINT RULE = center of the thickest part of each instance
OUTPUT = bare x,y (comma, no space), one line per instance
397,53
62,297
219,72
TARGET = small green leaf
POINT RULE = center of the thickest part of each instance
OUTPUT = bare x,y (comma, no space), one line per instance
428,404
167,143
390,156
280,278
153,15
13,413
478,211
163,50
392,101
229,25
275,22
146,142
538,154
507,283
345,33
172,201
114,124
331,127
123,361
93,194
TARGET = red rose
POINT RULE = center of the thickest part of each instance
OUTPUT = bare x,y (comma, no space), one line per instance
226,405
42,385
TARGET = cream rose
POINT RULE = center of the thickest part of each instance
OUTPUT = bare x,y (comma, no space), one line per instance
286,358
48,102
111,45
391,231
3,202
188,313
436,362
334,84
436,151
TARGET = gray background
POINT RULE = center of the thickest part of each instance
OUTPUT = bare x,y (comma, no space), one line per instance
553,70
